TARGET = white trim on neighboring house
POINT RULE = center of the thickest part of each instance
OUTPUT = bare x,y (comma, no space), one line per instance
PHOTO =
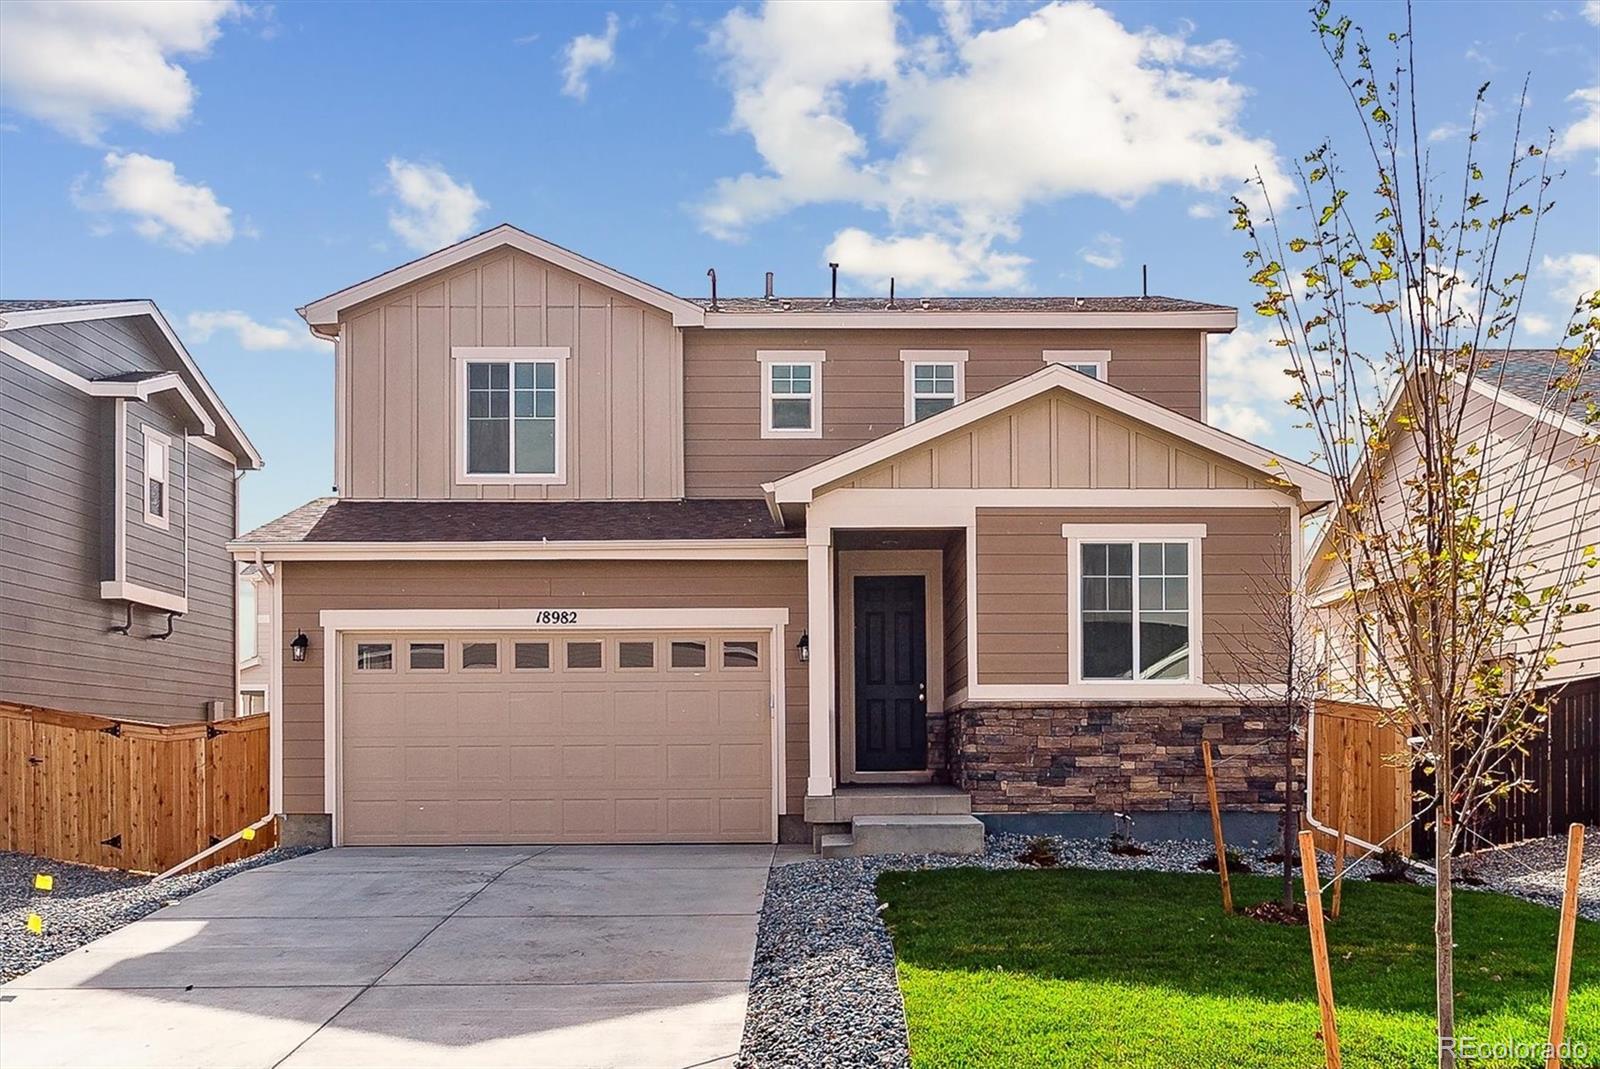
681,549
275,697
206,445
163,519
1205,377
123,309
912,358
1225,319
123,590
800,487
336,622
139,390
1134,534
322,315
812,358
1078,359
461,356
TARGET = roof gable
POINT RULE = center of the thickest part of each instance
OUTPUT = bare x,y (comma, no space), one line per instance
1055,427
323,314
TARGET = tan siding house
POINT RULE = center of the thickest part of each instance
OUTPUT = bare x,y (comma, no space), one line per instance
607,564
118,499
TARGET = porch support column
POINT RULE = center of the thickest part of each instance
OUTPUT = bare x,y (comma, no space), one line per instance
820,645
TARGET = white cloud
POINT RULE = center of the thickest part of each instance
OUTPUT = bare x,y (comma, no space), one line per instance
79,66
1202,210
933,261
1537,325
1447,131
1574,275
977,127
1591,11
165,207
1104,252
1584,134
1247,388
250,334
588,52
434,210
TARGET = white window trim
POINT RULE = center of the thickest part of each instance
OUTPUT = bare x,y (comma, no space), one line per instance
1078,533
813,357
1100,359
911,358
462,355
163,521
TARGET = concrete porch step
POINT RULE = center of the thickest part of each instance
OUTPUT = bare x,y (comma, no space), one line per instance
907,833
849,802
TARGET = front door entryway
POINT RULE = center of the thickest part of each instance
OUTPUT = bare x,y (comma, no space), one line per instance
891,673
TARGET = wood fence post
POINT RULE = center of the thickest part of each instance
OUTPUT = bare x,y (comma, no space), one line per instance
1569,918
1339,822
1319,949
1216,828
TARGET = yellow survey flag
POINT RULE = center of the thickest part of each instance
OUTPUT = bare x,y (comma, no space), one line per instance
247,834
43,881
35,924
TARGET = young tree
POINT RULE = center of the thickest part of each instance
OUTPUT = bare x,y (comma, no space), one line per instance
1397,285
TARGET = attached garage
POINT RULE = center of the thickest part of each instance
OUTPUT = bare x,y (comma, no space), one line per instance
567,735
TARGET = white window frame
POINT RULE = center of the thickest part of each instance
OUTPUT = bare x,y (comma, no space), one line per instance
164,520
1077,534
462,355
914,358
1079,359
812,357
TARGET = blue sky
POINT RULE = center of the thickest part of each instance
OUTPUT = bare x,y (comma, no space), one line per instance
236,161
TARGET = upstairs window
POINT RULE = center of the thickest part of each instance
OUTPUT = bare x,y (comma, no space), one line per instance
1137,609
791,394
1091,362
935,381
513,425
157,473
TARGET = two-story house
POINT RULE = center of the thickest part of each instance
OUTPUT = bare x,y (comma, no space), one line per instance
607,564
119,472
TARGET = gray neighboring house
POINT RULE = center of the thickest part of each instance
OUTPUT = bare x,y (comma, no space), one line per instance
119,472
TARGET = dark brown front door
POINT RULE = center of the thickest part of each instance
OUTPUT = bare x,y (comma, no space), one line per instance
891,674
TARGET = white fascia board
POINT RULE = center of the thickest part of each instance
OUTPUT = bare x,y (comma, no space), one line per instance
122,590
800,487
686,549
1215,321
121,309
322,315
541,619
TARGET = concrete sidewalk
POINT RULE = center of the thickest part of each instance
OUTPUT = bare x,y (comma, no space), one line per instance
484,956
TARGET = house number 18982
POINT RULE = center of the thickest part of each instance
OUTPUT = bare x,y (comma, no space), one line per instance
556,616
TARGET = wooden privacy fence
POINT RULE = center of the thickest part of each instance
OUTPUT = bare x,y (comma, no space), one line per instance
1353,785
128,795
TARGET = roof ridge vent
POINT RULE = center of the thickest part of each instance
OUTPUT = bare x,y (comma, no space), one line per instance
925,304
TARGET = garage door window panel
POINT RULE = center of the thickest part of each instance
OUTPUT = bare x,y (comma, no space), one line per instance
741,654
688,653
585,656
480,656
532,657
426,657
374,657
636,655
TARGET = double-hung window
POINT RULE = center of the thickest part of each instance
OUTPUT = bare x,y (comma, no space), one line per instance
935,381
1091,362
791,394
513,418
157,476
1137,617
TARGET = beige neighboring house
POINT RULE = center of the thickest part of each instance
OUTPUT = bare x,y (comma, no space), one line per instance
256,639
119,472
1511,413
608,564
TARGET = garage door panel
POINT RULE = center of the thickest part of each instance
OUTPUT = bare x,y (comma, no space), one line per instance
548,754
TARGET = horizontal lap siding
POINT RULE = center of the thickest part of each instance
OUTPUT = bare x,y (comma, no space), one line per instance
400,422
863,388
1023,605
955,615
311,587
56,649
155,554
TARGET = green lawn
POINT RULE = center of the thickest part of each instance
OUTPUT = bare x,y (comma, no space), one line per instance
1080,968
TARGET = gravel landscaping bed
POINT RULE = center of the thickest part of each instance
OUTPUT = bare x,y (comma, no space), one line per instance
823,991
88,903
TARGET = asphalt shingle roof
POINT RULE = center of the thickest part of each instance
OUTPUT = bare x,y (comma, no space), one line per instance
804,305
41,305
328,519
1529,373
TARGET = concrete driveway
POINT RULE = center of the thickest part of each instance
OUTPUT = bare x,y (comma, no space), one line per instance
503,956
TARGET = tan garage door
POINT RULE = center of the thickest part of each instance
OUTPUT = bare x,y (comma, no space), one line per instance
556,738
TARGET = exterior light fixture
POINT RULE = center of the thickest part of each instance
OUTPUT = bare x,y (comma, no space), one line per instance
297,648
804,646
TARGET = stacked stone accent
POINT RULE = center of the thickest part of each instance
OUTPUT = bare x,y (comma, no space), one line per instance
1099,757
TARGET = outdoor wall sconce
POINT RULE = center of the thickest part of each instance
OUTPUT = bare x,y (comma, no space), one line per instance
804,646
297,648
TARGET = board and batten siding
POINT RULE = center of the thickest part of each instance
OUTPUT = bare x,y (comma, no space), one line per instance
310,587
1025,609
398,411
57,469
863,388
